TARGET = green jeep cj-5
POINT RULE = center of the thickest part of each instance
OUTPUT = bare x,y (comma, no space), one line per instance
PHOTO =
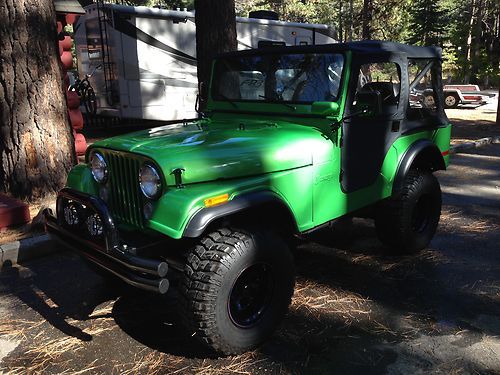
292,139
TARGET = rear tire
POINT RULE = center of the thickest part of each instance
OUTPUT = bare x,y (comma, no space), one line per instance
408,221
236,289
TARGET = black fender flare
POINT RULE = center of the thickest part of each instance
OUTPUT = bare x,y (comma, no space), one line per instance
201,219
422,154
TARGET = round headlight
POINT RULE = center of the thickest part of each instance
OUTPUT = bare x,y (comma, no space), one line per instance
149,181
98,167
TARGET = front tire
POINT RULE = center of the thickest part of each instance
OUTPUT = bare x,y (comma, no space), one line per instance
408,221
236,289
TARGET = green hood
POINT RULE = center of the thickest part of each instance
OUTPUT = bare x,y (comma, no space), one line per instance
224,151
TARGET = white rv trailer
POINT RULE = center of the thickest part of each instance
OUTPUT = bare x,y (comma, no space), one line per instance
148,56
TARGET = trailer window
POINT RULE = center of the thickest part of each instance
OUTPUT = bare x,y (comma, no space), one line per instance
298,78
93,39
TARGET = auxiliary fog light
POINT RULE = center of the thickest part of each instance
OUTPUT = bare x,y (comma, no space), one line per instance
147,210
94,225
71,214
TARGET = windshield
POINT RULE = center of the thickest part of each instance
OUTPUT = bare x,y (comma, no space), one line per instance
295,78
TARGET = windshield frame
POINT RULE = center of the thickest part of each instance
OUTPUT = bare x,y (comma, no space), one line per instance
217,97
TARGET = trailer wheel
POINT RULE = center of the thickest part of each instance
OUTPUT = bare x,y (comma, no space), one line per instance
451,100
236,289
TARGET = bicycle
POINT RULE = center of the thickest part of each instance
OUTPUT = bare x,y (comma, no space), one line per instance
86,92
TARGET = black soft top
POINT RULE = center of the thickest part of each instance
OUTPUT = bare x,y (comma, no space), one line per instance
372,47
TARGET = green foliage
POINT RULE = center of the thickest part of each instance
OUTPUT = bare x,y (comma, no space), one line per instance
469,30
166,4
427,23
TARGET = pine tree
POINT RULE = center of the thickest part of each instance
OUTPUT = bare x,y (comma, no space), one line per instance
427,23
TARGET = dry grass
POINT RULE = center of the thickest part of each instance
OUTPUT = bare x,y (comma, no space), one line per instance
43,350
317,300
18,329
453,220
241,364
160,363
150,363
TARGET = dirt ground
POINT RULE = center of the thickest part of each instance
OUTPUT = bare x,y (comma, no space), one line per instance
470,123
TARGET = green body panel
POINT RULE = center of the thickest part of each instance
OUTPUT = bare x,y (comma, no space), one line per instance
223,150
312,191
255,147
80,178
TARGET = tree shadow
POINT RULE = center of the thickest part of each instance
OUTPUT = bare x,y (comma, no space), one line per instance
155,322
56,292
432,283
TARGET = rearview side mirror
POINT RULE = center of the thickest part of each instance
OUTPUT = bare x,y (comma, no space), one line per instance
368,103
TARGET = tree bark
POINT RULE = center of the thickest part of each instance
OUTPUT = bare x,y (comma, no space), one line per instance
467,53
215,33
351,26
498,109
341,28
36,142
367,19
477,42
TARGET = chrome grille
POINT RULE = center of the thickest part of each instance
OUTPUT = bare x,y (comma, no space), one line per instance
124,194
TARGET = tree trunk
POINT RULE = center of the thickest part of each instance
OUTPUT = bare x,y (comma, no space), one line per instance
470,24
341,28
215,33
498,109
477,42
36,143
367,19
351,26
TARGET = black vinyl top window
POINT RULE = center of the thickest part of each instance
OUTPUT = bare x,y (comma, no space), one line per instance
384,77
297,78
423,99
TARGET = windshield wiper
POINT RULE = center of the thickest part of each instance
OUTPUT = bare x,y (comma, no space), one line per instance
278,101
229,100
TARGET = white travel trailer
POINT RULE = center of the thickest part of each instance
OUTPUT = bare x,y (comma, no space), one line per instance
148,56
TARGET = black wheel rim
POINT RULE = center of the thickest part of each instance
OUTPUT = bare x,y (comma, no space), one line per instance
421,213
251,295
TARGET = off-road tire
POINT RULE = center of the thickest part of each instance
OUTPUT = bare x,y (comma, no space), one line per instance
407,222
451,100
214,272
